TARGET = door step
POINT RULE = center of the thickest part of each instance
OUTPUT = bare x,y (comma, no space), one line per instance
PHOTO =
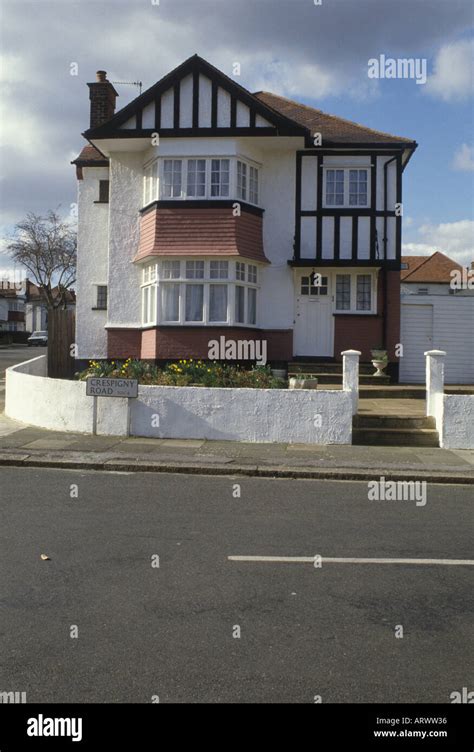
388,430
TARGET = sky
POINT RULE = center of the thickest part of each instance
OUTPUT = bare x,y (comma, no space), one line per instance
315,51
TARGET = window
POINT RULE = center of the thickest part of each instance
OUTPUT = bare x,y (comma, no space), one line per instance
219,269
150,183
252,274
149,304
251,305
194,269
364,292
343,292
217,302
242,180
335,187
194,302
357,187
253,185
170,301
240,304
423,291
314,285
101,302
172,178
170,270
103,192
346,187
220,177
196,182
240,271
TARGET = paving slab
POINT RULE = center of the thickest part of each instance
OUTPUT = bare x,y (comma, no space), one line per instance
49,444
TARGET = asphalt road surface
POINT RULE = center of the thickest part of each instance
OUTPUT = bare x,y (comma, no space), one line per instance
98,623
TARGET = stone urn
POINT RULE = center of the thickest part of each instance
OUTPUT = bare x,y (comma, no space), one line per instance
379,361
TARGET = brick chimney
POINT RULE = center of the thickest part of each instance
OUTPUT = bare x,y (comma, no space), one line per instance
102,96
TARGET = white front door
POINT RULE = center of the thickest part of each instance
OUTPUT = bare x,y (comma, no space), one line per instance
314,331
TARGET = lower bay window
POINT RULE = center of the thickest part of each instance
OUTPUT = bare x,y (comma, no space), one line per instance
193,292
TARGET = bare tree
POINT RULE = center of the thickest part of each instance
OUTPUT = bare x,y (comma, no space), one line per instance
47,248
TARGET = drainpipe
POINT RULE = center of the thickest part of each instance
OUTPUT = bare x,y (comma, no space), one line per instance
385,204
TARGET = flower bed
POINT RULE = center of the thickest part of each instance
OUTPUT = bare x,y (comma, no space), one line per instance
185,373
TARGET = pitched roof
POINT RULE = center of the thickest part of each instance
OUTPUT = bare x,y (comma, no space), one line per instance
333,128
436,268
90,157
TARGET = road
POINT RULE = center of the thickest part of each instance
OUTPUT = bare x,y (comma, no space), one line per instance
171,630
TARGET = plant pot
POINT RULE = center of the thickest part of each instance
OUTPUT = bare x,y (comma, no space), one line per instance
303,383
379,365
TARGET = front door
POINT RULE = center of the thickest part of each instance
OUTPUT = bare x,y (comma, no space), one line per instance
314,320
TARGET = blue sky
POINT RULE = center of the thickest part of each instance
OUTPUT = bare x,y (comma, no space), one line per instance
317,55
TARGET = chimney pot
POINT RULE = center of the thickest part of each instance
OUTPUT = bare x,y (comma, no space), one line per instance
101,76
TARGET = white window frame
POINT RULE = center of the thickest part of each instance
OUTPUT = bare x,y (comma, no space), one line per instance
346,170
353,292
154,281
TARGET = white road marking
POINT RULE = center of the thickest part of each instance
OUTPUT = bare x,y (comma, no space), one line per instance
339,560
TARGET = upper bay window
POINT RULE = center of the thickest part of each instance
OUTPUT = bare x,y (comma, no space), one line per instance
346,187
197,291
204,178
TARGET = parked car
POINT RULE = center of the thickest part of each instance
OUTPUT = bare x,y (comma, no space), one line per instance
40,339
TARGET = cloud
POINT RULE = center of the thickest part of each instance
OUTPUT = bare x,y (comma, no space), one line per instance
453,75
455,239
464,158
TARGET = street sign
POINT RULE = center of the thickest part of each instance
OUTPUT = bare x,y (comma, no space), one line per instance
103,387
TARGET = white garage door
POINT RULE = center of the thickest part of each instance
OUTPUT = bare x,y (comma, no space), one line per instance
416,327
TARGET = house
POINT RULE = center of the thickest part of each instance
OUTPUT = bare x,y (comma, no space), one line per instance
36,311
206,211
12,306
437,313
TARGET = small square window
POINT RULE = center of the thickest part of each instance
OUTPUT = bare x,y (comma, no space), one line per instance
219,269
194,269
170,270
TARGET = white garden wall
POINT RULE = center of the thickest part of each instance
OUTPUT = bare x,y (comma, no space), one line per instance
264,415
454,415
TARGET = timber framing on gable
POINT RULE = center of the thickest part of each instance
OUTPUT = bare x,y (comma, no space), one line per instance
232,110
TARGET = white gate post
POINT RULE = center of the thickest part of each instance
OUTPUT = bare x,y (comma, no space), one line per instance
434,378
350,376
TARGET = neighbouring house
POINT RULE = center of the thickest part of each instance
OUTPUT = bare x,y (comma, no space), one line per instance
437,314
12,306
36,310
205,211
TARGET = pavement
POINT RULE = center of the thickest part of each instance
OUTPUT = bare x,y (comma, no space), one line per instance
141,598
27,446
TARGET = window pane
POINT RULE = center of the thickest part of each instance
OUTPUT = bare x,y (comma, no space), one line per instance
194,269
240,304
251,305
170,302
240,271
196,186
343,292
252,273
194,302
217,302
145,296
172,178
220,177
242,180
364,292
358,187
219,269
253,185
102,296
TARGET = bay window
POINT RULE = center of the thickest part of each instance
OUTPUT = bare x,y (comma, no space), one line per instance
201,178
197,291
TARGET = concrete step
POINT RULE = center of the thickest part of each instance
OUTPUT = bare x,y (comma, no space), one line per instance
330,378
336,368
393,421
395,437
